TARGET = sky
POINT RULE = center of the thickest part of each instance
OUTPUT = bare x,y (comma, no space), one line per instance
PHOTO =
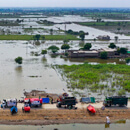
64,3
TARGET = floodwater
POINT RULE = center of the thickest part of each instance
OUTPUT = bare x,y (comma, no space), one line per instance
116,126
93,32
36,72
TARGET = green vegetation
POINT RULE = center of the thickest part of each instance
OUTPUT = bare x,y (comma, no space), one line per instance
44,52
65,46
123,50
53,48
103,55
127,60
30,37
112,45
96,77
102,23
87,46
18,60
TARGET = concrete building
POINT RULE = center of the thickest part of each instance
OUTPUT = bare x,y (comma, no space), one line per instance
91,53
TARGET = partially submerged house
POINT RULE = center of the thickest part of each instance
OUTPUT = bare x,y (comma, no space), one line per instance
90,53
104,37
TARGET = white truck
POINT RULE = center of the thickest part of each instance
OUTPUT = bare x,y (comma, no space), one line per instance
9,103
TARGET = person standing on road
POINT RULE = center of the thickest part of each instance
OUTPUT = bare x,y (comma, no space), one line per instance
107,120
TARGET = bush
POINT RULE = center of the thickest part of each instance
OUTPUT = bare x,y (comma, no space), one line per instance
112,45
127,60
65,46
123,50
18,60
121,92
44,52
87,46
103,55
53,48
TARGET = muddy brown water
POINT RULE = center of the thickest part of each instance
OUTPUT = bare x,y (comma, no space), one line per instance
116,126
35,72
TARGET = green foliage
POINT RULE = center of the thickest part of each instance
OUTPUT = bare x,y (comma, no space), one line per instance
91,76
123,50
127,60
65,46
44,52
87,46
53,48
103,55
18,60
31,37
112,45
121,92
66,54
36,37
82,35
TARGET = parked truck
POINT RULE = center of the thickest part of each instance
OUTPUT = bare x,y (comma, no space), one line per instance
68,102
33,102
8,103
115,100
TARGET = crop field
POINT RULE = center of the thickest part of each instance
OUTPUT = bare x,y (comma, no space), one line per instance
112,78
30,37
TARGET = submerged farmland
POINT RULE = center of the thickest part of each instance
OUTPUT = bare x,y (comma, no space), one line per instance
104,79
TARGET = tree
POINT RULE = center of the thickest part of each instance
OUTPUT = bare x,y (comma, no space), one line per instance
123,50
53,48
116,38
65,46
44,52
43,37
37,37
18,60
103,55
51,31
112,45
66,40
127,60
118,29
87,46
82,35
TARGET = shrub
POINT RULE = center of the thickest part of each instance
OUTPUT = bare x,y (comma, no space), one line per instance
18,60
103,55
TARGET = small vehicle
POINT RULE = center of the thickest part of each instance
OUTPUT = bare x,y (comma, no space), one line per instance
33,102
68,102
91,109
115,100
26,108
9,103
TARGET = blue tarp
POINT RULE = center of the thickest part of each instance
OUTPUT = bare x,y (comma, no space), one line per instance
14,109
86,99
45,100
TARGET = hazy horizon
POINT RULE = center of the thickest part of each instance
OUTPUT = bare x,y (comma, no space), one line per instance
66,3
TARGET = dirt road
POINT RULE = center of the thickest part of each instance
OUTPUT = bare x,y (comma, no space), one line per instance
49,114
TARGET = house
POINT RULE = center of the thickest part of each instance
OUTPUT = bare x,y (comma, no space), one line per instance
104,37
90,53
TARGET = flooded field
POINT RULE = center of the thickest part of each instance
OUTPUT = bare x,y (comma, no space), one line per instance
117,126
35,72
45,30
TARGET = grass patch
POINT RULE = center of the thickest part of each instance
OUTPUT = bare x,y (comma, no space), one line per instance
30,37
93,76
